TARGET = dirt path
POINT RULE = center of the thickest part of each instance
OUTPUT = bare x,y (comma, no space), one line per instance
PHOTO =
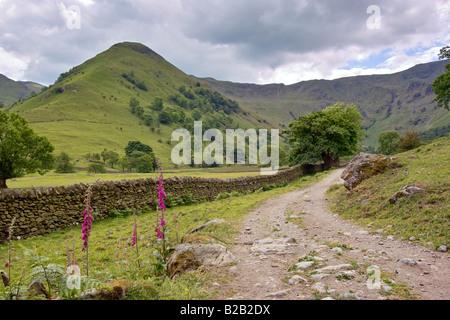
335,258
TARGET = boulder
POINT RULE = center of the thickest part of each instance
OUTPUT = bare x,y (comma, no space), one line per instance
406,191
188,256
203,226
364,166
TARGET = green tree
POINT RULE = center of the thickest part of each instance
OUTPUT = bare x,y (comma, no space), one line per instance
21,149
124,163
157,104
111,158
63,163
410,140
196,114
137,146
441,86
388,142
165,117
103,155
144,164
325,135
147,119
134,104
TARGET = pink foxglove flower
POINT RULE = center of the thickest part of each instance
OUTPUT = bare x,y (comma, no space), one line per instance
160,223
133,241
87,221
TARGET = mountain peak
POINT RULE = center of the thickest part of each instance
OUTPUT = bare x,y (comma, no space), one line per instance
138,47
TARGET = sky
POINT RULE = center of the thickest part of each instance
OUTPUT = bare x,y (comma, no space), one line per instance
246,41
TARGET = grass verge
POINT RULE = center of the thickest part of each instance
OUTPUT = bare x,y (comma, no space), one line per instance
423,217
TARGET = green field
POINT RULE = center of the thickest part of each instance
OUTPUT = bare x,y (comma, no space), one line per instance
65,179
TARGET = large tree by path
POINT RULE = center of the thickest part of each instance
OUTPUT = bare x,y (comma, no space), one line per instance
325,135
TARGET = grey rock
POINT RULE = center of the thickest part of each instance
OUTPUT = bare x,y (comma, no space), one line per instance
319,276
296,279
218,220
278,293
199,254
333,268
319,287
348,296
273,246
407,261
406,191
387,288
442,248
304,264
362,167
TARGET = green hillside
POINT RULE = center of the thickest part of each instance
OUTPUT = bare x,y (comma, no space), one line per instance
12,91
401,101
88,108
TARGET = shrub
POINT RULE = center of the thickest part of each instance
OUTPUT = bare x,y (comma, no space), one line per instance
63,164
96,168
410,140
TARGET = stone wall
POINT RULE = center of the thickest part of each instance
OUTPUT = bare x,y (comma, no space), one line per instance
43,210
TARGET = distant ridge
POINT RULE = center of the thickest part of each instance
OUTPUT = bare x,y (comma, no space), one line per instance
12,91
398,101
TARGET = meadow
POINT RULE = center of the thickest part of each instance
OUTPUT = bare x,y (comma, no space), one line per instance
53,179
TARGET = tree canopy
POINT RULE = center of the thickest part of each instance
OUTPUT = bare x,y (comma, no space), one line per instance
21,149
388,142
325,135
137,146
63,163
441,86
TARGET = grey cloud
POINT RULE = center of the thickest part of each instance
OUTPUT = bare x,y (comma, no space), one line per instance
267,29
205,37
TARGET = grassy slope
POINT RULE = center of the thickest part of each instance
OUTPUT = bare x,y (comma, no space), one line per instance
93,111
424,215
400,101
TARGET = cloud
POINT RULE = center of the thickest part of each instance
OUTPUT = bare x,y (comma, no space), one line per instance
262,40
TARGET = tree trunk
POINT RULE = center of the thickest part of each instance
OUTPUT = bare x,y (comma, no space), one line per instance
330,161
3,184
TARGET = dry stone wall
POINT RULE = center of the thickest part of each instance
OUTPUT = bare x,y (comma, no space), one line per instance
43,210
